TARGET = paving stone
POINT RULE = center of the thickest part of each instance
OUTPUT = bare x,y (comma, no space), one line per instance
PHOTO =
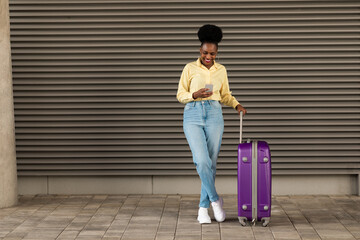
187,237
110,238
118,225
55,222
354,229
88,238
113,233
165,236
67,235
231,230
76,226
3,233
12,238
138,233
210,231
334,233
19,232
308,234
91,233
286,235
262,233
40,234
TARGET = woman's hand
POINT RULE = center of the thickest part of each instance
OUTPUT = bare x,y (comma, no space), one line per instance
240,108
202,93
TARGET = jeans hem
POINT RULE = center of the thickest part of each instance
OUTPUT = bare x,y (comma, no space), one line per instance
216,199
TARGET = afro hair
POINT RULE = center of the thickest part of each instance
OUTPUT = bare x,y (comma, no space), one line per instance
210,34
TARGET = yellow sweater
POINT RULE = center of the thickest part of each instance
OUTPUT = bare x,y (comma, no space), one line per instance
195,76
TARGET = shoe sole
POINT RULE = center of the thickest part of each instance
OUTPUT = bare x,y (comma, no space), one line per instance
206,222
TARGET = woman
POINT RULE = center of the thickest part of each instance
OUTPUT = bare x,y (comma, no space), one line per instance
203,122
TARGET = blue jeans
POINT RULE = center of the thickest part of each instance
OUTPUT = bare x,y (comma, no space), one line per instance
203,127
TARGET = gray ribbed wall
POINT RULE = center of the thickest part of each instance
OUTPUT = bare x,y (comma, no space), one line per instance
95,84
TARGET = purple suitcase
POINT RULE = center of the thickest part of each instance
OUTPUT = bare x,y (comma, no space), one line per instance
254,181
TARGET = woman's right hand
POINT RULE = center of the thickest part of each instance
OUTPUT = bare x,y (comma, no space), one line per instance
202,93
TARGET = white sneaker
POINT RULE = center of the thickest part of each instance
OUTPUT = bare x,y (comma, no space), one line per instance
203,216
219,212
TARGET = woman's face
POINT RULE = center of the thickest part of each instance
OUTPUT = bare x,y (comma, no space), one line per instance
208,53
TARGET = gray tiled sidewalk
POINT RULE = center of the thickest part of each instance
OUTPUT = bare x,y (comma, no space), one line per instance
163,217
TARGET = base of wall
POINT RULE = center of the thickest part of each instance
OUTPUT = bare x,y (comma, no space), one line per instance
281,185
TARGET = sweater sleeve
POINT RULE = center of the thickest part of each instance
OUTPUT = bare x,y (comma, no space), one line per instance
183,94
226,97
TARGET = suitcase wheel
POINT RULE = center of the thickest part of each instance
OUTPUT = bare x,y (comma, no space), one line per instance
265,221
242,221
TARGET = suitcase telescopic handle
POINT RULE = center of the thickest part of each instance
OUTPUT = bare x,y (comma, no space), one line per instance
241,125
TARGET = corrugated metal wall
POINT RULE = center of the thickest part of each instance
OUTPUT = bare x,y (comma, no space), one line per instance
95,84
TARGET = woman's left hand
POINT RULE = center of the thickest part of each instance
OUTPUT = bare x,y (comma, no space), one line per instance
240,108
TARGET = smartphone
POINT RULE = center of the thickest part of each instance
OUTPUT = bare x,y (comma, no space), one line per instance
209,86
